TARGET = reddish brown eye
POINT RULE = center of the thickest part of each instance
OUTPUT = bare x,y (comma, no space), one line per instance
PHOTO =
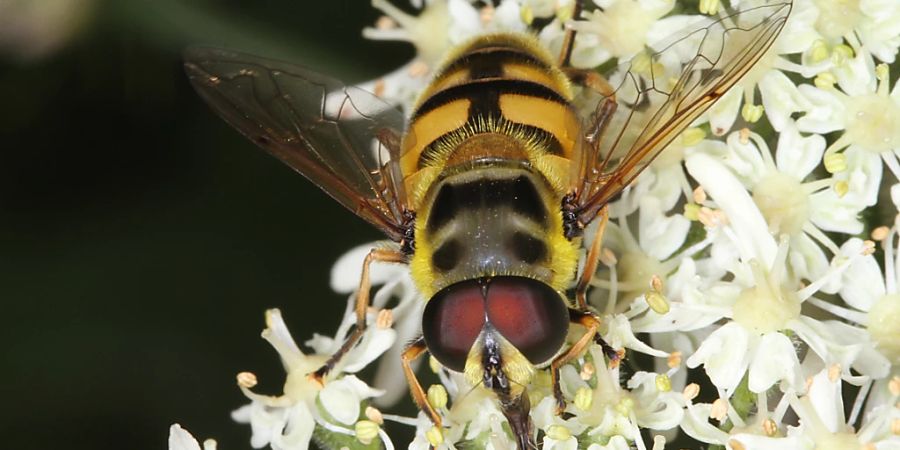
452,320
530,315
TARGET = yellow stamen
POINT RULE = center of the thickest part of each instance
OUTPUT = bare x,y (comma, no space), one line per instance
709,7
841,54
818,52
584,398
752,113
835,162
692,211
558,433
663,383
692,136
658,302
435,436
825,80
366,431
526,14
841,188
437,396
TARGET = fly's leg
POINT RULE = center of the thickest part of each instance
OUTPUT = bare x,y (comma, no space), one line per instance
591,80
414,350
584,77
590,263
590,166
592,323
362,303
390,139
569,39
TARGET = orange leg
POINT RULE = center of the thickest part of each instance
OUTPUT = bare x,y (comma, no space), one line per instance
414,350
590,263
569,39
362,303
591,80
592,322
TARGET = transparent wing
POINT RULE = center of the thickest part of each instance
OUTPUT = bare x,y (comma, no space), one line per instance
660,92
314,124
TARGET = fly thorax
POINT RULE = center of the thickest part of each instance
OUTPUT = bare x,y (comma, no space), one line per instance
490,221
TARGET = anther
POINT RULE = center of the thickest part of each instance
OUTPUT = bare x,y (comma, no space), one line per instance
699,195
385,23
418,69
674,359
608,258
868,247
246,380
770,428
835,162
374,414
587,371
385,319
879,234
719,410
834,372
663,383
691,391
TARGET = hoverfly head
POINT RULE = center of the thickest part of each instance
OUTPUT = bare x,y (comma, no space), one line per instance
496,330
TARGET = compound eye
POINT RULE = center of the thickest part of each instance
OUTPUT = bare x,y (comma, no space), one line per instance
452,321
530,315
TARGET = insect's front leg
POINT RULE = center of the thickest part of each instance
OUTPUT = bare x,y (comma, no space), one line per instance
569,38
414,350
592,324
590,263
362,303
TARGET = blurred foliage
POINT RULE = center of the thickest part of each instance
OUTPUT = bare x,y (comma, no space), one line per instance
143,238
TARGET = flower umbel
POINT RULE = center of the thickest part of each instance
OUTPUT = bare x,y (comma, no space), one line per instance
288,421
759,253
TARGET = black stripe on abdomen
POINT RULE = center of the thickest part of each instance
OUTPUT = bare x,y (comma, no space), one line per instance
488,62
484,95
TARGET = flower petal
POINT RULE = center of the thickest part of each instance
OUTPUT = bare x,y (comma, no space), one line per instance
775,360
724,355
180,439
862,282
341,398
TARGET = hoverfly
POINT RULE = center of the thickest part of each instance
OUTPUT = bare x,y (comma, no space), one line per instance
487,187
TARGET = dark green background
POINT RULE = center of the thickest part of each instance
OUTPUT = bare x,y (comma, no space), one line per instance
142,238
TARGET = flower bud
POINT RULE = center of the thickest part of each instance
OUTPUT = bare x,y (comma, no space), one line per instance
437,396
366,431
558,433
584,398
435,436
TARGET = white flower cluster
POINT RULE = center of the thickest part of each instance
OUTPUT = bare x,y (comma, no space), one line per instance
758,255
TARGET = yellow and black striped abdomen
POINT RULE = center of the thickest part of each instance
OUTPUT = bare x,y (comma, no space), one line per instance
503,83
486,159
